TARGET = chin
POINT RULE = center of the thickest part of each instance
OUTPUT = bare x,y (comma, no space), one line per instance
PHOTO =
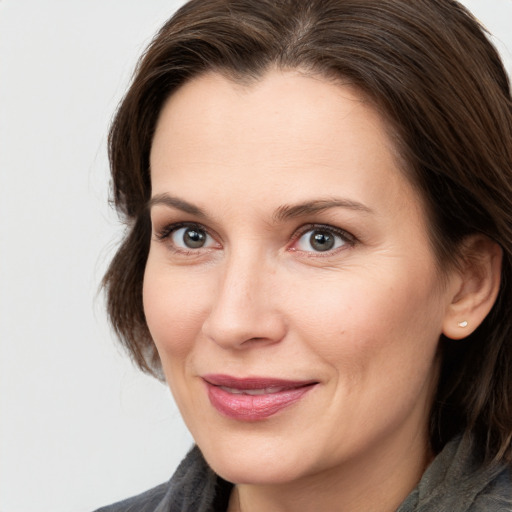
253,459
255,470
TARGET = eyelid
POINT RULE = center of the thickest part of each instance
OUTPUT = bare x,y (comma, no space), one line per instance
168,229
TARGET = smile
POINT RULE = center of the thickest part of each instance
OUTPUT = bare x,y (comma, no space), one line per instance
253,399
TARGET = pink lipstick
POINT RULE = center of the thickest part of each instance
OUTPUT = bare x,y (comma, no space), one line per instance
254,398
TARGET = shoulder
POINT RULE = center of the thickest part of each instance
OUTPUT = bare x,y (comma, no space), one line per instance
194,487
497,495
458,481
145,502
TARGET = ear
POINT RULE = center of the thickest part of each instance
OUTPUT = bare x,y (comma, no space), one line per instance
474,286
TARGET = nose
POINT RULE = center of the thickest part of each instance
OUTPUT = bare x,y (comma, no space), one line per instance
245,309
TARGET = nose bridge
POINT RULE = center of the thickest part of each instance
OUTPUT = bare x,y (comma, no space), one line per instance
240,279
242,308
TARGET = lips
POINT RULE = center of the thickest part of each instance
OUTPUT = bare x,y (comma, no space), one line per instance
255,398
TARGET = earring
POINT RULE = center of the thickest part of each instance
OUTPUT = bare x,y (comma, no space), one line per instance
463,324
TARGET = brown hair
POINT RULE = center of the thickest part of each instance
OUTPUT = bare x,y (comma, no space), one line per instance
433,74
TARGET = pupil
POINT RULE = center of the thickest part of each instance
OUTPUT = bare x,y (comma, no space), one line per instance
194,238
321,241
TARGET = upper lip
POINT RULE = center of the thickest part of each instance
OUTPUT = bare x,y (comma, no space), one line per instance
248,383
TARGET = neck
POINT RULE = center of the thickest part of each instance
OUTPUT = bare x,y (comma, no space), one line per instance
378,484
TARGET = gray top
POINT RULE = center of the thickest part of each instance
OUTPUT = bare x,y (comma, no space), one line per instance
454,482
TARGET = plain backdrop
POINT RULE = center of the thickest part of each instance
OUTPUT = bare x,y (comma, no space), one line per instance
79,426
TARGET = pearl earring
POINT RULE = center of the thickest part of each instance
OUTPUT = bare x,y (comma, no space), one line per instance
463,324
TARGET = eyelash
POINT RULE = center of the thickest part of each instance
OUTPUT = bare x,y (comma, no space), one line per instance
348,239
167,230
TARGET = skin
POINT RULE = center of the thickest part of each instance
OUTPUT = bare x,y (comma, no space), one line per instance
362,319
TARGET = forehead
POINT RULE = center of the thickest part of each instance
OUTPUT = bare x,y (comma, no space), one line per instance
288,133
282,112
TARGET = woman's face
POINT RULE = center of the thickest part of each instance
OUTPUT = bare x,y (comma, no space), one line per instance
290,288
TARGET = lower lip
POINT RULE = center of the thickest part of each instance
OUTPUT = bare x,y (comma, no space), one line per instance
253,407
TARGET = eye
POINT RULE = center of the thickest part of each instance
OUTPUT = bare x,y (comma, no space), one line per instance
322,239
191,237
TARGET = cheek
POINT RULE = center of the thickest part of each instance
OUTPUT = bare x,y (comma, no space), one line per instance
356,323
173,309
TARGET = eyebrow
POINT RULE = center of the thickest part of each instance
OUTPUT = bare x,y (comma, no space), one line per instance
177,203
286,212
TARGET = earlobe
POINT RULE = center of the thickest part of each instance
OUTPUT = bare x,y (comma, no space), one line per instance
477,285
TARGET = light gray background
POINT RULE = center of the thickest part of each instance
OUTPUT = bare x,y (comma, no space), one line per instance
79,427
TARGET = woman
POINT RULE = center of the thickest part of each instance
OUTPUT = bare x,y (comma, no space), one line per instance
319,254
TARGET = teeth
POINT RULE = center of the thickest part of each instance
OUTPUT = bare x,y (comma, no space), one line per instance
263,391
